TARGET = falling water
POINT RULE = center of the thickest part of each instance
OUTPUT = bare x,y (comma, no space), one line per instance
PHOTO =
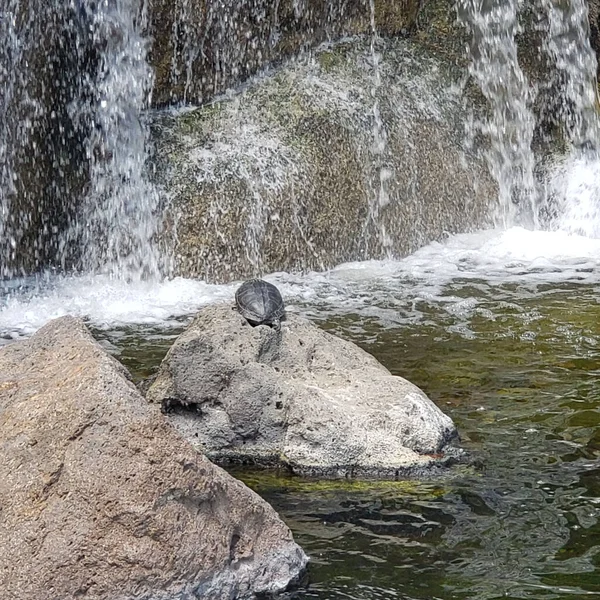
567,90
35,59
510,124
381,197
73,187
10,58
573,68
185,52
574,186
116,224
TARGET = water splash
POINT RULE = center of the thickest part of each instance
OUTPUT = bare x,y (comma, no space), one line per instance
445,274
510,125
573,191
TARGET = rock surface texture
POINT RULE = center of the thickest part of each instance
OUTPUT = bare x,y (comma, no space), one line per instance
328,160
101,498
202,47
299,397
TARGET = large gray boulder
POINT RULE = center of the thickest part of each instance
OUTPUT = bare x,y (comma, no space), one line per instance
100,497
300,397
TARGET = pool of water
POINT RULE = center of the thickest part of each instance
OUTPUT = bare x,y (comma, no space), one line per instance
501,330
515,361
520,378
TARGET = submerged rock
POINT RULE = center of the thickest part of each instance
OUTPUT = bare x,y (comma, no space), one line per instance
99,496
354,154
300,397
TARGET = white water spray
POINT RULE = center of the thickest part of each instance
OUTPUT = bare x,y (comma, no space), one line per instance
573,62
117,224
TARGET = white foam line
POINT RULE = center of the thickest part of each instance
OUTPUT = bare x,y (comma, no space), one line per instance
390,290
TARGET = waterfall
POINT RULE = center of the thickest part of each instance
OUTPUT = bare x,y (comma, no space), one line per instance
11,79
75,83
379,192
509,126
73,187
573,62
566,73
116,224
36,137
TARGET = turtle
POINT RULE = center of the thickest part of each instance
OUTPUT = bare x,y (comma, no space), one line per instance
260,303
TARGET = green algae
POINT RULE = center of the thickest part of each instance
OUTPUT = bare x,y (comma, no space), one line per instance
280,481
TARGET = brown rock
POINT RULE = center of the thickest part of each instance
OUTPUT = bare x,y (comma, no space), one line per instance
99,497
203,47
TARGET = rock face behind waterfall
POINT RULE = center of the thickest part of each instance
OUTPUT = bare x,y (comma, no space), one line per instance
299,397
42,162
100,498
321,163
203,47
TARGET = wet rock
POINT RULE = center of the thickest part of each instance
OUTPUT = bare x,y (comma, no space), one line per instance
203,47
594,22
349,156
299,397
43,164
100,497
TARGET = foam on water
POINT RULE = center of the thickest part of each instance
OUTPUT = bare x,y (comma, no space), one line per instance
104,302
454,274
386,289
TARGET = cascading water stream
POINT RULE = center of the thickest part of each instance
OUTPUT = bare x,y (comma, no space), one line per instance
574,187
510,125
567,64
9,56
381,197
25,127
117,223
73,186
573,68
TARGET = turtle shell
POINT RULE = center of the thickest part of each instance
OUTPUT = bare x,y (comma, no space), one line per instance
260,302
